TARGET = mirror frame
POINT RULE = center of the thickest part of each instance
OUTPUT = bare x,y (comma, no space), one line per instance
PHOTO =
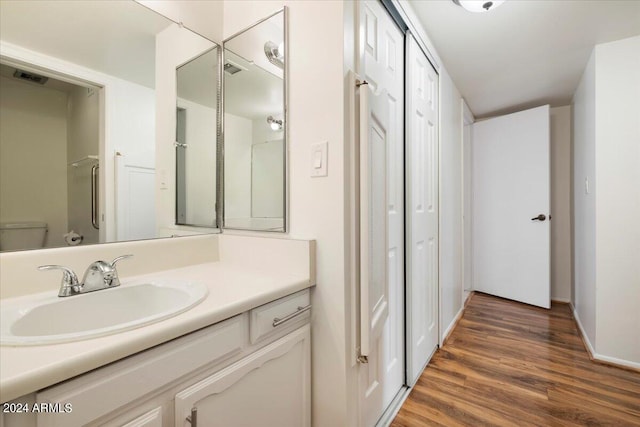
221,133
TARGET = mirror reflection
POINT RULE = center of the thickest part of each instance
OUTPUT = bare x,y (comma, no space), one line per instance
87,135
255,127
196,110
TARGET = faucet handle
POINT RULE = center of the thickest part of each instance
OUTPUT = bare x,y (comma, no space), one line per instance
70,284
120,258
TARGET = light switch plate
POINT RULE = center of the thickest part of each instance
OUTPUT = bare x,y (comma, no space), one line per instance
163,180
586,186
319,158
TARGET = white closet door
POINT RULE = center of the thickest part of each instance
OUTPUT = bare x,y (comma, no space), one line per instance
510,190
422,207
383,167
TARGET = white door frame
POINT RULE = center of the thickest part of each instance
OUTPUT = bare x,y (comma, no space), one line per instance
467,199
81,76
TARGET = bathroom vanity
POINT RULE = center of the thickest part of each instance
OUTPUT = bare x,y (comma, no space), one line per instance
149,140
240,357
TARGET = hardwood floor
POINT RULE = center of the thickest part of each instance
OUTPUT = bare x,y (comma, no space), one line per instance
511,364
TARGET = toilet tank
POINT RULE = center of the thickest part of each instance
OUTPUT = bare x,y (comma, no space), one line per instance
22,235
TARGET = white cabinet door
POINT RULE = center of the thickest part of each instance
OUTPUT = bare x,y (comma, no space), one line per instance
270,387
152,418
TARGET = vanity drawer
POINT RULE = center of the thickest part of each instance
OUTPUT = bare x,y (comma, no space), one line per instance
280,316
107,389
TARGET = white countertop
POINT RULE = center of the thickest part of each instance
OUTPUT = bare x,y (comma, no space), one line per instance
232,290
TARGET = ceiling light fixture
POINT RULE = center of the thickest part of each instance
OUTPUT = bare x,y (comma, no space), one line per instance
275,53
479,6
274,123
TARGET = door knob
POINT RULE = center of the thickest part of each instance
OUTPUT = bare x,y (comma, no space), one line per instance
540,217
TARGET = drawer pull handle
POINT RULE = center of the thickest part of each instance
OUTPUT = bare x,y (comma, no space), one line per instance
278,322
193,418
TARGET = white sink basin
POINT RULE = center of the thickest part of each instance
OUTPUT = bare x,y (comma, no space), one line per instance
47,318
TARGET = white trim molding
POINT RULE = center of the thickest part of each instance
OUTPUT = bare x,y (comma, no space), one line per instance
593,355
453,324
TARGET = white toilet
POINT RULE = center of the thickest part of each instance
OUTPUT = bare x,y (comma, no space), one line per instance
15,236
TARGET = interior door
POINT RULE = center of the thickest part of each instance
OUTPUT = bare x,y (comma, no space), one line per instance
382,211
135,196
511,227
422,212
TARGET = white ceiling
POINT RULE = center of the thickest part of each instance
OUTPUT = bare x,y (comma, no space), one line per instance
254,92
115,37
524,53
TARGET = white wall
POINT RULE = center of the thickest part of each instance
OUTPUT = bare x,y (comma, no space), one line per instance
203,17
584,202
560,154
617,230
467,198
451,295
237,171
267,186
83,139
200,156
267,179
606,150
33,156
317,205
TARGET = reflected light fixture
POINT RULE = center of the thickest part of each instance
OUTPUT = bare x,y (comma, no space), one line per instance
479,6
275,53
274,123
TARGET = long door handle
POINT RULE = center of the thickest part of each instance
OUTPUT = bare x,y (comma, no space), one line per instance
94,197
363,95
363,122
540,217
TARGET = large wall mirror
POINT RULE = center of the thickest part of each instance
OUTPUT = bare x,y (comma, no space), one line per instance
196,130
89,149
255,123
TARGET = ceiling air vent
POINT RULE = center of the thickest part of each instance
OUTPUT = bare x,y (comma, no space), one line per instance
231,68
31,77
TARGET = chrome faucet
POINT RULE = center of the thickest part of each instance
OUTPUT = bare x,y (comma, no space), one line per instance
99,275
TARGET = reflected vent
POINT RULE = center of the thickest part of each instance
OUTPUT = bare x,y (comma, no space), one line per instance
231,68
31,77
